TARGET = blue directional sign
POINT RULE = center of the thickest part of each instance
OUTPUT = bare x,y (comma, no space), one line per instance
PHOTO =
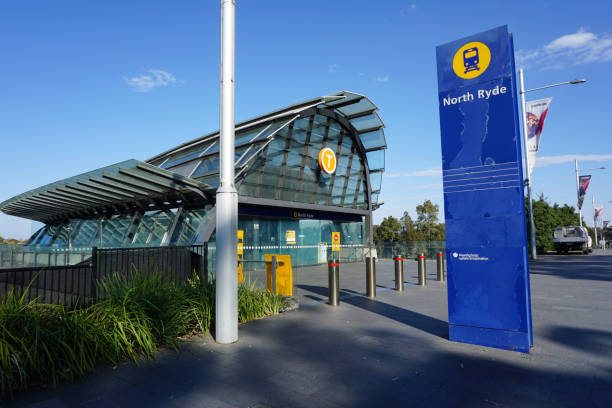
486,240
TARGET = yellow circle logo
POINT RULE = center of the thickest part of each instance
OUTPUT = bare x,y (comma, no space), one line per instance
471,60
327,160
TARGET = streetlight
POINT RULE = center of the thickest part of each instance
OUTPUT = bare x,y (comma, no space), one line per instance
524,116
578,186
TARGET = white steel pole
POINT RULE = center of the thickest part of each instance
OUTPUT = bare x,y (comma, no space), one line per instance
594,221
578,193
226,298
527,180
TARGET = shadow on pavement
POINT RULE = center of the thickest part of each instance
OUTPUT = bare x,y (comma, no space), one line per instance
594,341
592,267
419,321
306,363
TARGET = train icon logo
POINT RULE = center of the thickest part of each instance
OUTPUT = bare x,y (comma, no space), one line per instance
471,60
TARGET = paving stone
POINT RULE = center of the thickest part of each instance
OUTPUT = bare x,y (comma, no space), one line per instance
388,351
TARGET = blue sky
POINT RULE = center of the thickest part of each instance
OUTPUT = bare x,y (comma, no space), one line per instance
88,84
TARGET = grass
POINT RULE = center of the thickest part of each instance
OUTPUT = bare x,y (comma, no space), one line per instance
139,313
255,303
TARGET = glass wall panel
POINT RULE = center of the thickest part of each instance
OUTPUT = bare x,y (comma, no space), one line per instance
376,159
152,227
376,180
207,166
366,122
185,155
373,140
288,168
188,226
185,169
86,233
362,106
114,230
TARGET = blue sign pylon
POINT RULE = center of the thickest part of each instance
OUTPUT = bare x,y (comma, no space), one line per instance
486,239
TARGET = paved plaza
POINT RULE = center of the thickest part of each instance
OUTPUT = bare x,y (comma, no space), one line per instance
390,351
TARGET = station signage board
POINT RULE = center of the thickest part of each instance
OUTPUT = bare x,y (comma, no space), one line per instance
484,209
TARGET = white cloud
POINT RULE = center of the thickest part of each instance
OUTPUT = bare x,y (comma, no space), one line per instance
383,78
581,47
407,9
578,39
418,173
567,158
146,82
332,68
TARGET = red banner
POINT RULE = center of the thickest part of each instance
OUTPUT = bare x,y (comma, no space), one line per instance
582,189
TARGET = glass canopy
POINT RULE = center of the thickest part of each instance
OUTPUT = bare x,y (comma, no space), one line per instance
276,153
170,198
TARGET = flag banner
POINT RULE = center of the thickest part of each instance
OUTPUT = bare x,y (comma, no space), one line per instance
605,224
583,184
536,112
597,214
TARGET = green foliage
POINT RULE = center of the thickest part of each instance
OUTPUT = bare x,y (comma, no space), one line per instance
41,342
140,312
11,241
425,228
154,301
546,218
388,230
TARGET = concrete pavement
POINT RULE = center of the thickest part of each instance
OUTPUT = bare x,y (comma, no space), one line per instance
391,351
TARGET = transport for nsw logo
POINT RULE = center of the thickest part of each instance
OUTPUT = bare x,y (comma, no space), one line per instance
471,60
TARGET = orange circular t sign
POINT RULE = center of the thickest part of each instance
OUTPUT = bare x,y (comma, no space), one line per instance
327,160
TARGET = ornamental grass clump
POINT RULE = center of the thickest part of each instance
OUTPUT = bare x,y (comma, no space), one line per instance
148,300
199,308
41,342
256,303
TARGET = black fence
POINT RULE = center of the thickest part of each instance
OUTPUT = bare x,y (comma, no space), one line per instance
73,285
66,285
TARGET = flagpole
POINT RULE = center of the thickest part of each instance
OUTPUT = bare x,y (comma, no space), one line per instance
527,167
578,192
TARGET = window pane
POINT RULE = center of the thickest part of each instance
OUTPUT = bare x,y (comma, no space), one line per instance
362,106
376,159
366,122
373,140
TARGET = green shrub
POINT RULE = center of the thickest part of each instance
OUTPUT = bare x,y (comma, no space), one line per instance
199,307
41,342
255,303
139,312
148,298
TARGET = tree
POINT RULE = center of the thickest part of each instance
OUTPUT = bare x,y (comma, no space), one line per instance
427,221
408,232
546,218
388,230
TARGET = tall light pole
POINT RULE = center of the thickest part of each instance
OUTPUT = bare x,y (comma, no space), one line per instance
226,296
594,220
524,117
578,187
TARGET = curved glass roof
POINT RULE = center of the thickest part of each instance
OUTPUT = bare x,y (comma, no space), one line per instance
190,171
199,158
